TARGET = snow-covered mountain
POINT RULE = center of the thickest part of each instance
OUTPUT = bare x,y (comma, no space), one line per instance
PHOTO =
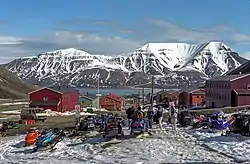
173,64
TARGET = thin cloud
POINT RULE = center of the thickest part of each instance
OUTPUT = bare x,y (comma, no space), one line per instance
6,40
86,21
171,31
115,40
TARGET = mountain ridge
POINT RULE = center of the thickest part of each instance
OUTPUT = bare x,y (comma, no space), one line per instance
171,63
11,87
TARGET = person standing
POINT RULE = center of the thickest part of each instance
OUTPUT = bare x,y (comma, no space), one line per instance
129,113
174,118
160,116
150,115
170,111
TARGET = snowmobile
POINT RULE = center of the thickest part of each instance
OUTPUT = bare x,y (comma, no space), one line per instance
215,122
49,140
200,121
31,137
103,120
185,118
136,128
98,122
85,124
239,123
113,128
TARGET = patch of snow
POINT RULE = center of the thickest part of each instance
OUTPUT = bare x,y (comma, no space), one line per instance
163,147
234,146
14,103
11,112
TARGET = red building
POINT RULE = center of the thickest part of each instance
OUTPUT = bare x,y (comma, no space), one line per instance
112,102
192,96
229,90
58,99
165,96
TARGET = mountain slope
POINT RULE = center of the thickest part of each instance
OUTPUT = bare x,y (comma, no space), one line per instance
11,87
173,64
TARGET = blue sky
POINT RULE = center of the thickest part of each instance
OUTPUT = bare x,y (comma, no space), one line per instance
112,27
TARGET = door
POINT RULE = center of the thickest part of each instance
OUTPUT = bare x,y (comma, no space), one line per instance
213,105
234,97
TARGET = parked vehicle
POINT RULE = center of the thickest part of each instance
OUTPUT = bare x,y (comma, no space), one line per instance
113,128
85,124
31,137
216,121
136,128
185,118
3,125
37,114
239,123
48,140
199,121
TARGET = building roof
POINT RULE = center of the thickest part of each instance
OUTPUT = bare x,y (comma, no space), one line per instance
89,96
115,97
242,92
62,89
228,77
190,89
44,103
58,89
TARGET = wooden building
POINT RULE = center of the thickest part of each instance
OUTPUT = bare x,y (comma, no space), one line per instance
86,100
112,102
228,90
192,97
58,99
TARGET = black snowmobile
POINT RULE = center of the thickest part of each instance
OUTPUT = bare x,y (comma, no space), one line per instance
85,124
185,118
113,128
239,123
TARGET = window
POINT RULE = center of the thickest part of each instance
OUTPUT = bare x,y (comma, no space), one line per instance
111,101
45,98
106,100
248,86
202,97
197,96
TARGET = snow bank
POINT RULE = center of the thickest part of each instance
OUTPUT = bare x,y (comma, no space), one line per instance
233,146
96,110
14,103
67,113
17,112
163,148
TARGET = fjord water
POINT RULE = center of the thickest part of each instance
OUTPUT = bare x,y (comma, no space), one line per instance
116,91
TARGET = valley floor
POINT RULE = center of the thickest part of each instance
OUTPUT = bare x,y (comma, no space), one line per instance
164,147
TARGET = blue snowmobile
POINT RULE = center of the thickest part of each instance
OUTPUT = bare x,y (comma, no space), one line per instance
48,139
216,122
136,128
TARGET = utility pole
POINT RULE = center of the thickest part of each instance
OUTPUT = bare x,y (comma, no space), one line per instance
143,96
139,98
98,92
152,92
